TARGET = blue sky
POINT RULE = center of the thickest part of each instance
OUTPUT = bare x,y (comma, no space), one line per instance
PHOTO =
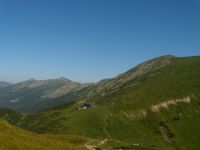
88,40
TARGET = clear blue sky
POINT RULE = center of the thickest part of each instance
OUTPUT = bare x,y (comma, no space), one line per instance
88,40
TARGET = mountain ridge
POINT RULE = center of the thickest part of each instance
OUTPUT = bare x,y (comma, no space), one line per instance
22,95
40,94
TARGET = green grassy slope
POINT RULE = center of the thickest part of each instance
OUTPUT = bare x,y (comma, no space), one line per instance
126,115
12,138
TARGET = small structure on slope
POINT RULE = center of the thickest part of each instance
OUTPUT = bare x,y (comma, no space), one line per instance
86,105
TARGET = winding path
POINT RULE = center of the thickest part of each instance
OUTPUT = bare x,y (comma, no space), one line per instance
92,147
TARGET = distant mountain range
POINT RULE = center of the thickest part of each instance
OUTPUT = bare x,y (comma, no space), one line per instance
33,95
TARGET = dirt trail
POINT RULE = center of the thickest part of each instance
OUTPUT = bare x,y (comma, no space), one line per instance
166,104
90,147
105,127
93,147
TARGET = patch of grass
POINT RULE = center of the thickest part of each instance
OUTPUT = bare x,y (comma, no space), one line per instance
12,138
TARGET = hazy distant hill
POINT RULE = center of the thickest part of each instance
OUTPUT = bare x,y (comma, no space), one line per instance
33,95
4,84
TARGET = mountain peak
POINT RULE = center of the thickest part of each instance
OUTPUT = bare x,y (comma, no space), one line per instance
63,78
163,57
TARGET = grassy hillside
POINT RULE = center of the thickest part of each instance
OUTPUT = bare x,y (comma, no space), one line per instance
156,110
12,138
